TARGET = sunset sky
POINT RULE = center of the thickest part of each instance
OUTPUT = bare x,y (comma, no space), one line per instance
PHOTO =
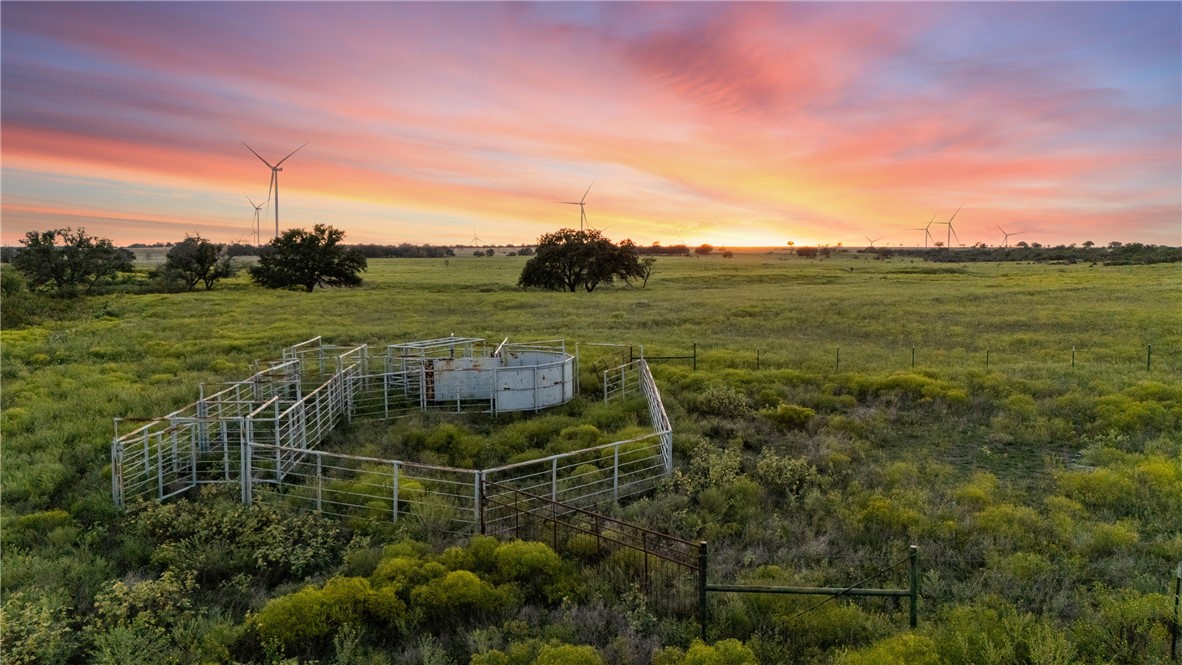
728,123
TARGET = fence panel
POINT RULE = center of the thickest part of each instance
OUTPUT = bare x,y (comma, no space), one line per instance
665,567
437,500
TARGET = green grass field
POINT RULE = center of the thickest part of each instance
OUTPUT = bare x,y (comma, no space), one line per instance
1044,494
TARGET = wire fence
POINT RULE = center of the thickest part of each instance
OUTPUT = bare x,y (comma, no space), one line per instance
1151,359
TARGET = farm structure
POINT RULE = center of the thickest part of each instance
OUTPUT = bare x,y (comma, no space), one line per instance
265,433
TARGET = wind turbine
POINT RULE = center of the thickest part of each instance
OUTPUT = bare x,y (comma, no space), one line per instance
258,207
871,241
1006,241
952,231
582,205
274,179
475,240
927,233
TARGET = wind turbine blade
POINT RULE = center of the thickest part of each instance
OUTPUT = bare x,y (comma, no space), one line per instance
954,217
953,232
1001,229
588,189
573,203
289,155
269,186
867,238
249,199
257,155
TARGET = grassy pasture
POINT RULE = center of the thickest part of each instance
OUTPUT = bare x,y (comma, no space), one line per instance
951,453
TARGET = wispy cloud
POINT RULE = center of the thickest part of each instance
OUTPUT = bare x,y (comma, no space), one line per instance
721,122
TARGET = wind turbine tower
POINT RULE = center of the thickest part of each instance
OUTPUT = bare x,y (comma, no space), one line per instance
927,231
952,231
582,203
275,169
258,207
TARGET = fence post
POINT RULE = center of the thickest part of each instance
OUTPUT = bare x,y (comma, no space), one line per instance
1177,597
695,356
703,614
616,474
319,484
837,365
478,504
913,356
396,464
554,479
644,546
247,472
914,556
117,469
160,466
1072,357
1148,357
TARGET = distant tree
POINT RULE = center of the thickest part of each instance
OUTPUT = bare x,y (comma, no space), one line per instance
65,260
194,260
1023,244
1115,244
825,251
791,243
703,249
728,254
1088,244
806,252
646,270
525,251
300,258
567,259
479,252
490,252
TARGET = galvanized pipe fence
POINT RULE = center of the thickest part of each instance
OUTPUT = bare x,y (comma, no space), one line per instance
264,433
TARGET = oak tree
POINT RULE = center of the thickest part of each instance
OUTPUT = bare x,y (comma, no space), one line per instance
309,259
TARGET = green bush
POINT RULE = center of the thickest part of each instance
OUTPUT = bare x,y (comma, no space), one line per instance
568,654
458,596
722,401
302,622
905,649
406,571
784,476
531,563
297,622
135,644
723,652
35,631
35,529
789,416
154,602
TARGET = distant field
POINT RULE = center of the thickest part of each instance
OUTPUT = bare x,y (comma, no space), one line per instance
794,312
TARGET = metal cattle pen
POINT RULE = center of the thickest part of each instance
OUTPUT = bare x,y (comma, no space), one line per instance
265,432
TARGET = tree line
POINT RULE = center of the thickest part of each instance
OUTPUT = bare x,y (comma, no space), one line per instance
68,262
1113,254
